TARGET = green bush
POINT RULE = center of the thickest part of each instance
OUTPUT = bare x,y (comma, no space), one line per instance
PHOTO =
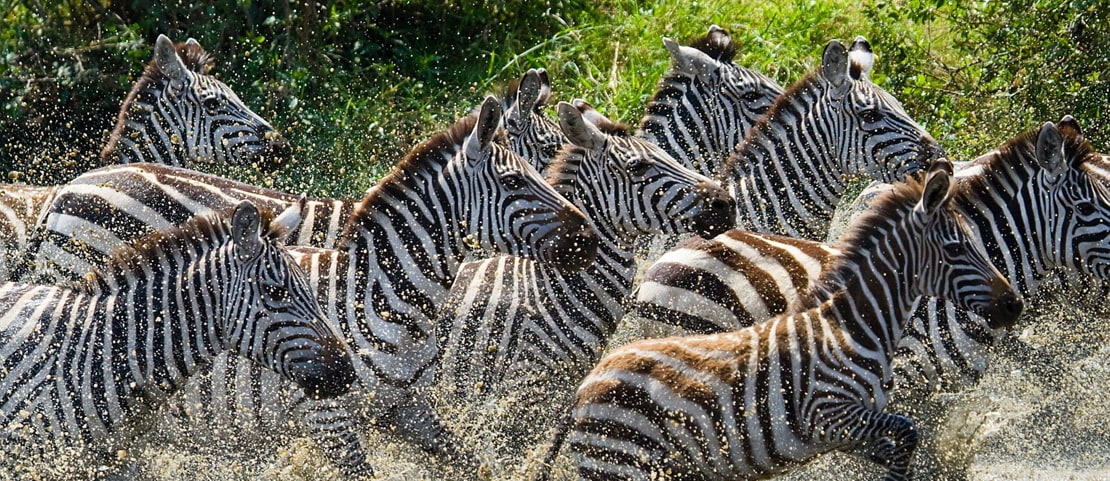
354,85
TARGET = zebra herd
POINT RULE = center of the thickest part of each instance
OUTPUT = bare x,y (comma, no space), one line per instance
146,295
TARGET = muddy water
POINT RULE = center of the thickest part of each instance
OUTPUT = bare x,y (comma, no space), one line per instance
1041,414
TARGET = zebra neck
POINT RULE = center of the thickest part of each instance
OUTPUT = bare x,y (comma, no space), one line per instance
702,141
786,179
145,133
398,236
871,307
1004,214
171,329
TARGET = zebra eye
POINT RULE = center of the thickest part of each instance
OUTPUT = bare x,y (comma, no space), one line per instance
639,166
1085,209
870,116
211,104
751,96
954,249
274,292
512,181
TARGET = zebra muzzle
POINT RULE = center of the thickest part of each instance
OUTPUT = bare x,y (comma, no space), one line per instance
326,372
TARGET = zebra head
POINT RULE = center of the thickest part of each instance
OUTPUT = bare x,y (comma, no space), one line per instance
531,134
179,114
1077,230
875,135
630,186
275,319
706,103
504,205
950,258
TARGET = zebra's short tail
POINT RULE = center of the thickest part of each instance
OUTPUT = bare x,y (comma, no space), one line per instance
553,446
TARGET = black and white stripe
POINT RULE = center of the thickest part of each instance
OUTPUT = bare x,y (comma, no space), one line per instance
389,273
793,166
706,103
1041,202
84,366
105,207
754,402
513,320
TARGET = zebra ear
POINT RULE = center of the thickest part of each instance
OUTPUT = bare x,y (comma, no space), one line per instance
934,194
690,61
861,59
1050,153
289,219
489,119
165,57
246,230
834,65
193,41
529,98
580,131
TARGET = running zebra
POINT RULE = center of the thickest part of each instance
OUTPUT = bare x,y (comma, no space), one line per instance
1040,202
510,319
178,114
791,170
751,403
706,103
381,286
84,366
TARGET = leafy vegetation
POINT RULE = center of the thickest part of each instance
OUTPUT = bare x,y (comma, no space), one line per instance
355,84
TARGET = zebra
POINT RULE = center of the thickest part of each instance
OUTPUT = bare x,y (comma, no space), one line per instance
1040,202
178,114
393,264
750,403
510,320
791,169
706,103
87,364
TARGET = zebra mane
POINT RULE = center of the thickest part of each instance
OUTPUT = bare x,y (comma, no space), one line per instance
198,230
435,151
720,47
615,129
860,238
195,59
563,170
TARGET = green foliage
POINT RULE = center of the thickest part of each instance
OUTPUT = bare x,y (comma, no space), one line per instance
354,85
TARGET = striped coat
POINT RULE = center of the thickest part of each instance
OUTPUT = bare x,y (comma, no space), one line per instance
1039,202
84,366
751,403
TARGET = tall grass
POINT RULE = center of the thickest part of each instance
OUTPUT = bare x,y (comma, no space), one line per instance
355,85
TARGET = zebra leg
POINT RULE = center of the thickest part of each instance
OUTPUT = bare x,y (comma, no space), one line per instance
335,431
887,439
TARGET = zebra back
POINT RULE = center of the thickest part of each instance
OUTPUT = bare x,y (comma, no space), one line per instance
106,207
85,364
179,114
750,403
835,124
706,103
